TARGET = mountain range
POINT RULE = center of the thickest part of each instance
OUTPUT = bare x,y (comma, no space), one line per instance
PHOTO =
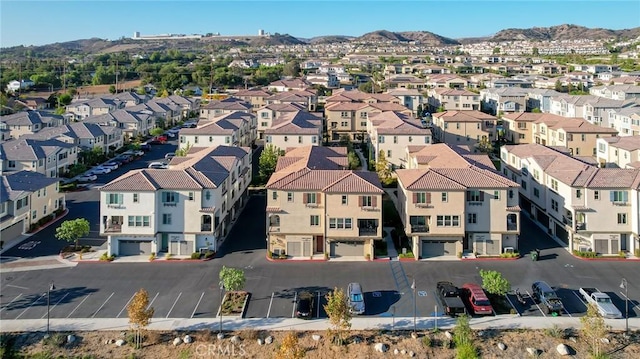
96,46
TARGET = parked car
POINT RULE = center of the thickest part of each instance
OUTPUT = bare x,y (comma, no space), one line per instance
158,165
170,134
87,177
121,159
304,306
99,170
170,155
356,298
476,299
145,147
159,140
112,165
547,297
135,153
602,301
449,297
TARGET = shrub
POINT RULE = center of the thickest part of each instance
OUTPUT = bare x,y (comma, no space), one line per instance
282,256
426,341
56,340
637,252
510,255
409,254
622,254
152,256
195,255
554,332
367,256
459,254
585,254
209,254
106,257
466,351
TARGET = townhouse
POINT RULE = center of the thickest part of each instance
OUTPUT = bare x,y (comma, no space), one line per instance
446,81
625,120
405,82
294,129
619,152
181,210
81,109
409,98
51,158
540,99
255,97
583,207
266,114
463,127
575,134
504,100
131,123
316,206
445,99
26,199
518,127
165,113
230,129
328,80
220,107
390,132
186,106
452,201
307,98
28,122
295,84
127,99
84,135
350,118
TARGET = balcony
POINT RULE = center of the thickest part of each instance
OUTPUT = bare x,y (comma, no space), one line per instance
512,226
368,231
581,226
170,204
205,227
419,229
274,228
113,228
311,205
116,206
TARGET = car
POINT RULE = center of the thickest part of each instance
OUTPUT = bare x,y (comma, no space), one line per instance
449,297
99,170
170,155
304,306
547,297
159,140
87,177
170,134
476,299
135,153
356,298
112,165
158,165
145,147
121,159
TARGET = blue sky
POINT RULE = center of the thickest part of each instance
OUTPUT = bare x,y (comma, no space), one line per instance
26,22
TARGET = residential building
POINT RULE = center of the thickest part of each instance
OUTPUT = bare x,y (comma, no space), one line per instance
625,120
405,82
446,81
518,127
255,97
295,84
266,114
453,203
464,127
49,157
619,152
540,99
583,207
316,206
188,105
446,99
504,100
26,199
132,124
327,79
128,99
82,109
294,129
165,113
83,134
220,107
350,118
230,129
28,122
307,98
575,134
390,132
409,98
181,210
16,85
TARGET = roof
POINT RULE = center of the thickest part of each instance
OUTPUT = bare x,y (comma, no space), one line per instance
14,185
440,155
394,122
25,149
228,104
464,116
300,122
628,143
224,124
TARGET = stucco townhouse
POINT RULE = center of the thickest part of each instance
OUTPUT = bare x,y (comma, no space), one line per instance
583,207
619,152
294,129
451,201
87,136
295,84
307,98
220,107
230,129
28,122
82,109
616,92
463,127
447,99
540,99
49,157
187,105
446,81
625,120
255,97
390,133
409,98
128,98
316,207
504,100
131,123
27,198
266,115
575,134
181,210
165,114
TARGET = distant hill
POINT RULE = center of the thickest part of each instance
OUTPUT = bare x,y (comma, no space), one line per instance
424,37
564,32
329,39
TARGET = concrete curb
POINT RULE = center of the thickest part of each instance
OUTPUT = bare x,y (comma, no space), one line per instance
13,243
605,259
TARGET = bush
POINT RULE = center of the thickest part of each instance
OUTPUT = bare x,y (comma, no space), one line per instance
585,254
68,187
637,252
269,254
426,341
152,256
467,351
622,254
408,255
195,255
55,339
510,255
106,257
555,332
209,254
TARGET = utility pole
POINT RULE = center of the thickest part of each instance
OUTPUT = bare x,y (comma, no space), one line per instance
64,77
116,75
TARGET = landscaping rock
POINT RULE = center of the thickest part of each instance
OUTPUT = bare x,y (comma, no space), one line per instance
502,346
604,340
268,340
235,340
381,347
411,353
532,351
316,337
562,349
123,334
176,341
573,339
260,341
120,342
220,336
481,334
448,335
396,351
414,335
403,352
187,339
71,338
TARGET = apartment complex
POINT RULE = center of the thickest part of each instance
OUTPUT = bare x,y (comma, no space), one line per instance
463,127
294,129
229,129
619,152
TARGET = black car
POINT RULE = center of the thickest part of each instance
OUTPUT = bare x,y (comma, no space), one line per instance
304,307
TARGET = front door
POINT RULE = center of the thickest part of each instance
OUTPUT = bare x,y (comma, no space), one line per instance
319,244
165,242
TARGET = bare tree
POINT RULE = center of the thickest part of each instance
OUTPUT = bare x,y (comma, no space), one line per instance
139,314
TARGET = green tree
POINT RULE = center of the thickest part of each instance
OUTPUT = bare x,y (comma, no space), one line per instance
494,283
183,151
594,329
64,99
382,167
267,162
232,278
291,68
140,314
485,145
337,309
156,131
290,348
112,89
72,230
536,110
353,159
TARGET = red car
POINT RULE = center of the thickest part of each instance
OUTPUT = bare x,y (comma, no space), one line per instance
476,299
159,139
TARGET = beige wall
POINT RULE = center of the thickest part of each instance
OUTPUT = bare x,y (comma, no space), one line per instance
285,141
451,132
44,202
514,131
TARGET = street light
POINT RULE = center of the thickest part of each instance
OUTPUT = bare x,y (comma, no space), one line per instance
49,290
625,286
221,297
413,286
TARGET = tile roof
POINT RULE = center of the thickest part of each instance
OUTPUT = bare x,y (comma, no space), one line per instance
224,124
394,122
464,116
229,104
31,149
441,155
300,122
359,96
628,143
15,184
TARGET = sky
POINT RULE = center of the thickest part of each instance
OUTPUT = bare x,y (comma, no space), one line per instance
27,22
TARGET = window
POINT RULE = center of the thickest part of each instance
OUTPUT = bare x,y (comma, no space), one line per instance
115,198
554,185
496,194
299,139
524,184
135,197
344,200
340,223
12,164
554,205
207,195
264,115
388,153
289,196
311,198
619,196
195,139
191,196
422,197
314,139
536,174
444,196
427,139
166,218
622,218
448,221
264,124
366,201
381,139
39,193
210,138
596,195
363,124
475,196
227,139
472,218
395,139
315,220
286,138
536,192
578,193
344,123
138,221
274,195
169,197
344,114
34,214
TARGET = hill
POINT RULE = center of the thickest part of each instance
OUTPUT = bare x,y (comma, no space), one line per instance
329,39
423,37
563,32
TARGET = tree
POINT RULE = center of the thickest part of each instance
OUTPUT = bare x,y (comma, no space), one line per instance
290,349
536,110
183,151
485,145
140,314
494,283
337,309
72,230
267,162
64,99
594,329
382,167
156,131
164,93
291,68
232,278
112,89
353,159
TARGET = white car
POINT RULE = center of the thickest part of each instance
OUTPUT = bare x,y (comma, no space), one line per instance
158,165
87,177
137,153
110,165
100,170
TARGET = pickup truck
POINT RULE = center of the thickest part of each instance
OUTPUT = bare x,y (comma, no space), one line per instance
547,297
449,297
602,301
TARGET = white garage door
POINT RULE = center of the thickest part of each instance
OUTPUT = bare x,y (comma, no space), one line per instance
134,248
432,248
11,232
347,249
294,249
181,248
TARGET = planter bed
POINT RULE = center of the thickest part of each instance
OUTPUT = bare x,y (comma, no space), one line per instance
234,304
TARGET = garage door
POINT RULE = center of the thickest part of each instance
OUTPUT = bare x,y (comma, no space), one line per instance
438,248
294,249
181,248
347,249
11,232
134,248
602,246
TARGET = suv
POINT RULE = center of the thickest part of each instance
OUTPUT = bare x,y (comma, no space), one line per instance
356,298
304,306
476,299
545,295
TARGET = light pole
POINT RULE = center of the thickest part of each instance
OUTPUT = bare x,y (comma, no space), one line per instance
51,288
221,297
413,286
624,285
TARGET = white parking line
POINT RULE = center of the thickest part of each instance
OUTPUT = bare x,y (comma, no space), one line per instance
566,311
16,286
197,304
534,302
30,305
295,300
270,302
581,299
318,305
629,299
174,304
125,306
512,306
54,306
152,300
105,302
74,309
13,300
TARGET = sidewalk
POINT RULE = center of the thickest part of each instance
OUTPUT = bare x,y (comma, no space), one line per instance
391,248
363,162
358,323
13,242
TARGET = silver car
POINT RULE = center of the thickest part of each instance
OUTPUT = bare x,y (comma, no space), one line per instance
356,298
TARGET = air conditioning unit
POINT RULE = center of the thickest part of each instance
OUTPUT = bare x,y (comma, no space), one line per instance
509,250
